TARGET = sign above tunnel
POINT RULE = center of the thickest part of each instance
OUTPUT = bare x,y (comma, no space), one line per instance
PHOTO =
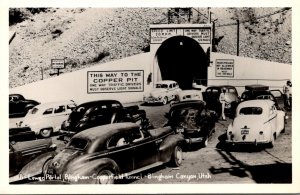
201,33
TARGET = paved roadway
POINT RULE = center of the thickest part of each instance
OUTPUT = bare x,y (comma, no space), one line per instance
214,164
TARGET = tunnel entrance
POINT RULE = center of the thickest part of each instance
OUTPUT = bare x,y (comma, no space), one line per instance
182,59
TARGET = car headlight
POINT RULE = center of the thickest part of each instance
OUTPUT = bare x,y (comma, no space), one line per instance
159,97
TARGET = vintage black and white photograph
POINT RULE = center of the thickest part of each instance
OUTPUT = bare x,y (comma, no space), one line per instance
150,95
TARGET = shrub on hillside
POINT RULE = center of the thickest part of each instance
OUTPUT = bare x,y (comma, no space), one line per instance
17,15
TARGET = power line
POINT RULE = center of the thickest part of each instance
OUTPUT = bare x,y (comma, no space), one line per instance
258,17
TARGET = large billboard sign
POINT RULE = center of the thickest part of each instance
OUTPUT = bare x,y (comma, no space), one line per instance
115,81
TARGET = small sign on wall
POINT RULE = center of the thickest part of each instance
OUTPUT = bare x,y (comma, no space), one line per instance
58,63
115,81
224,68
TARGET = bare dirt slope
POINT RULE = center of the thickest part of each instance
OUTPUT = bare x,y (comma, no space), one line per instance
97,35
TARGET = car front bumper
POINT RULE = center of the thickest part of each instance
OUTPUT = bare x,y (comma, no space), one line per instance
153,100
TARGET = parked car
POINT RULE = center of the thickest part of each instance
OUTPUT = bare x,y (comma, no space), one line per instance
211,97
28,158
95,113
19,106
199,84
104,153
46,119
18,134
256,122
258,91
193,120
187,95
164,92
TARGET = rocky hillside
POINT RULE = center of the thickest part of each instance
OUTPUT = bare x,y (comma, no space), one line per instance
88,36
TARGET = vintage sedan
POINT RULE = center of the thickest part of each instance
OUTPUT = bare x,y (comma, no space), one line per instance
212,94
19,106
193,120
101,112
28,158
46,119
164,92
187,95
257,91
103,154
256,122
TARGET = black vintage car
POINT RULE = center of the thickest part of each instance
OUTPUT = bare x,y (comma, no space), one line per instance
19,106
95,113
27,155
257,91
211,97
106,153
193,120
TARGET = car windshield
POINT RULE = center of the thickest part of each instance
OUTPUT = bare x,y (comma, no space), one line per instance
78,143
266,97
161,86
251,111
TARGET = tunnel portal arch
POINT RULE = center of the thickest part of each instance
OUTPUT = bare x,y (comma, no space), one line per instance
180,52
182,59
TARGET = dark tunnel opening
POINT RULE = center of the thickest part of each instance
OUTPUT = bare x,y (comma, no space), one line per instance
182,59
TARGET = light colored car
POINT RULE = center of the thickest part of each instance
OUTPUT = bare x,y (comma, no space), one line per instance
198,85
256,122
47,118
164,92
187,95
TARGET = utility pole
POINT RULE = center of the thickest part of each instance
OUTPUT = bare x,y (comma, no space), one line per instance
209,15
238,38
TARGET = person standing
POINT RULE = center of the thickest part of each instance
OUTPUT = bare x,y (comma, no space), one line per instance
223,101
287,90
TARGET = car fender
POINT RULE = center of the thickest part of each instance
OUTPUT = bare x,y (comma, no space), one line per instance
91,168
34,167
167,146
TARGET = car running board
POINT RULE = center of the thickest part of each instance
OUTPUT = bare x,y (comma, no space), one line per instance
143,169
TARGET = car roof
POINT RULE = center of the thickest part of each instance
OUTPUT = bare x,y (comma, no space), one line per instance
53,104
15,94
165,82
105,131
194,103
99,102
222,86
256,103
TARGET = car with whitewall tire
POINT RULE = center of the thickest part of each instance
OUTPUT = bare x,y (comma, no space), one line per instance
164,92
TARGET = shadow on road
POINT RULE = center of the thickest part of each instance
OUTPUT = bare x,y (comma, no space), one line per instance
237,148
151,105
268,173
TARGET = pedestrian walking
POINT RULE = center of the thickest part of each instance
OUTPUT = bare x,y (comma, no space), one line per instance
223,102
